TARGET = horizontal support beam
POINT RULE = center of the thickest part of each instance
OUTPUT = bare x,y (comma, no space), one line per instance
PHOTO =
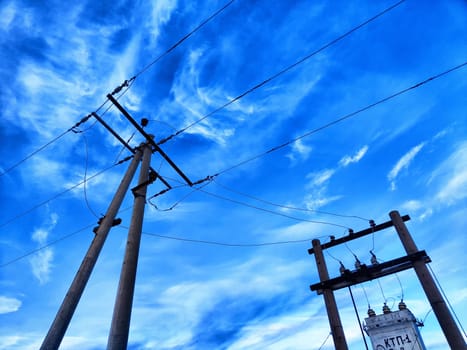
149,138
124,143
112,131
368,273
359,234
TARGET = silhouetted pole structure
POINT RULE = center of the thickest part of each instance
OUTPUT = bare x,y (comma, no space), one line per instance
65,313
440,309
118,336
331,306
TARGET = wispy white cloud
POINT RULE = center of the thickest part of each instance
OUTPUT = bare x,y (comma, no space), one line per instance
195,101
7,342
300,152
403,163
320,178
186,306
346,160
41,263
317,186
7,15
8,304
161,12
422,209
452,177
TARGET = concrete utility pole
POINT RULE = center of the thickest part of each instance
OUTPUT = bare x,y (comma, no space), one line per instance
118,336
333,314
440,309
65,313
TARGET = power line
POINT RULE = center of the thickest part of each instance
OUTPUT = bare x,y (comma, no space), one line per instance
34,251
240,245
325,340
85,179
178,201
59,239
199,189
358,317
269,211
309,133
176,238
283,71
73,129
59,194
127,84
447,300
44,146
198,27
341,119
286,206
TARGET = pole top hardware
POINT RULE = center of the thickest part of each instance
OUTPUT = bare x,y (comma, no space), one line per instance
148,138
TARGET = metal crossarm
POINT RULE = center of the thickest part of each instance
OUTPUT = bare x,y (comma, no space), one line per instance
149,139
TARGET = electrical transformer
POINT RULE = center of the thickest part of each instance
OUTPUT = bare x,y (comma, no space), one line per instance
394,330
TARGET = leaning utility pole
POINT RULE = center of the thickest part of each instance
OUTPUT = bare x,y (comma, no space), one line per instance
448,325
335,323
118,337
65,313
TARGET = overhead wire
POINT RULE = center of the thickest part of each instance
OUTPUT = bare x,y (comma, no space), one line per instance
84,177
225,244
382,291
41,148
55,241
447,300
193,190
74,129
9,221
176,238
126,84
358,317
268,210
181,40
341,119
286,206
366,295
283,71
325,341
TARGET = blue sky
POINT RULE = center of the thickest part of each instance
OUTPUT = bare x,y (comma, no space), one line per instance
58,62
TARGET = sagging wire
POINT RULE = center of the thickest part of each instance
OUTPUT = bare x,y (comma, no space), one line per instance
325,340
283,71
358,317
5,223
286,206
366,296
177,202
217,243
34,251
59,239
382,293
209,178
85,175
74,127
375,261
447,300
271,211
